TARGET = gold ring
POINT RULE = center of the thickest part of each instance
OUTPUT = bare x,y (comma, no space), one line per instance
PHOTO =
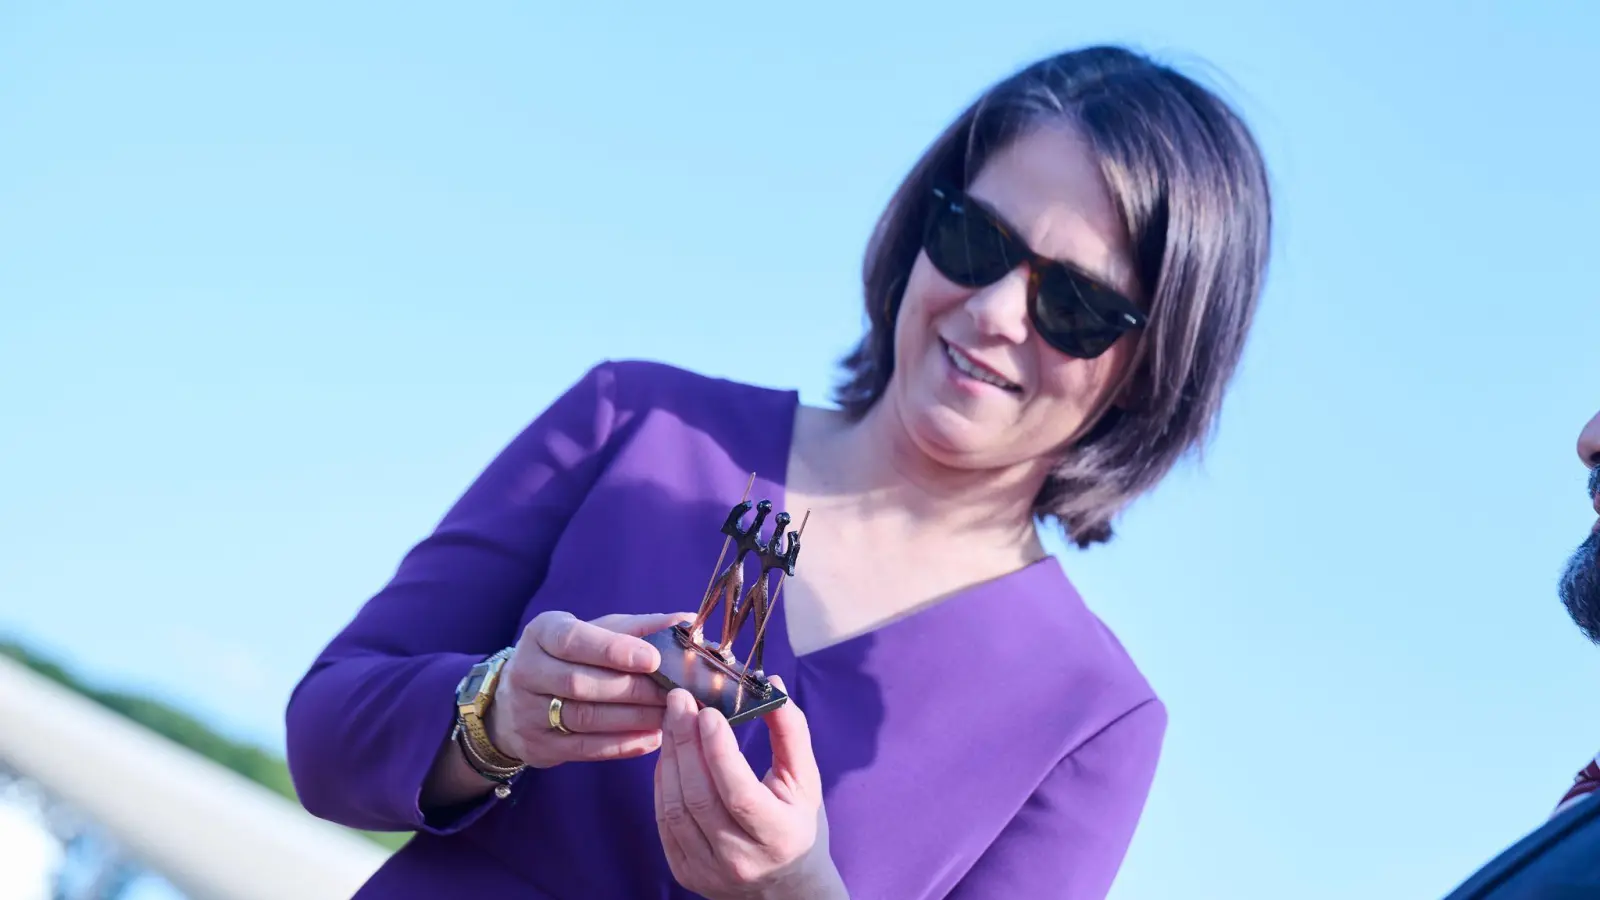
555,716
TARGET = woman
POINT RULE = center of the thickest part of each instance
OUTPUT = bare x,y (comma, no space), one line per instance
1057,295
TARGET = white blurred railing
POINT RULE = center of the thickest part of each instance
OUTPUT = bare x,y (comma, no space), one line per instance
212,833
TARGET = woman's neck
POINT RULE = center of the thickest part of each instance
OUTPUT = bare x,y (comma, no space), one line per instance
872,467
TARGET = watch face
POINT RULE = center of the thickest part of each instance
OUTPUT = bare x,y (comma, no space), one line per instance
473,684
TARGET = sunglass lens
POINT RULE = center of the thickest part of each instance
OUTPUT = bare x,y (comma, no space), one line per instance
965,247
1066,318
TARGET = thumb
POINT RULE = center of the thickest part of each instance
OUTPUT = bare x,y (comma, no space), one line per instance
792,755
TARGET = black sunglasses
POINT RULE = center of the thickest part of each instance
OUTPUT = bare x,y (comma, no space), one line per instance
1071,311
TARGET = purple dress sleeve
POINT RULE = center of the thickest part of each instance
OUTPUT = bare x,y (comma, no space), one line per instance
1068,840
367,720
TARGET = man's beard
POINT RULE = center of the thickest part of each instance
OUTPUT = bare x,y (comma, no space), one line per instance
1580,587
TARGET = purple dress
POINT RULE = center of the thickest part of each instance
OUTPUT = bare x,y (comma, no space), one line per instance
1021,777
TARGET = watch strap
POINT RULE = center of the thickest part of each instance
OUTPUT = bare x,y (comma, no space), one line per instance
478,737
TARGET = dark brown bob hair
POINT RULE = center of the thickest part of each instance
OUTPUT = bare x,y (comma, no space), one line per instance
1192,189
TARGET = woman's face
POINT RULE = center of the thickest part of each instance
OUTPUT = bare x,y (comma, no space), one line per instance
1048,188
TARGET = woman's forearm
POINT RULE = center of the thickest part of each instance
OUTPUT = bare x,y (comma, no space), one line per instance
363,764
451,782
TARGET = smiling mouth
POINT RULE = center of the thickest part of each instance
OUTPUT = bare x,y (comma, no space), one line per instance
966,366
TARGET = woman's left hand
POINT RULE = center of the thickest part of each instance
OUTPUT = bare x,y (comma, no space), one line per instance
728,834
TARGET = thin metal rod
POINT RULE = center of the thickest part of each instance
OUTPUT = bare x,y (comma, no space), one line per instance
777,592
725,541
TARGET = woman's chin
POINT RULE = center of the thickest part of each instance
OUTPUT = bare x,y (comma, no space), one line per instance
949,438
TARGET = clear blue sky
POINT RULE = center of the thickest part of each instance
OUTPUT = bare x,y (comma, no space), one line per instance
276,284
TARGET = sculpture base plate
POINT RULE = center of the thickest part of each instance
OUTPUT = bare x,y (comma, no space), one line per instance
712,681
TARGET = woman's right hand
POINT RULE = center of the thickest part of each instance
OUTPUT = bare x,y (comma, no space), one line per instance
600,670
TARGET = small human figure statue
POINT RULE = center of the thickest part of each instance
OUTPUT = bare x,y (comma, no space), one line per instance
707,670
730,583
771,555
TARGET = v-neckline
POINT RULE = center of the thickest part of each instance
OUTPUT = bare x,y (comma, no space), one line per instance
778,623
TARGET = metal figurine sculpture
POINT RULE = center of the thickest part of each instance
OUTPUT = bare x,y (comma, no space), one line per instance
709,671
726,587
770,557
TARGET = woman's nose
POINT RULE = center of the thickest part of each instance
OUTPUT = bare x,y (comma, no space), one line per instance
1001,309
1589,442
